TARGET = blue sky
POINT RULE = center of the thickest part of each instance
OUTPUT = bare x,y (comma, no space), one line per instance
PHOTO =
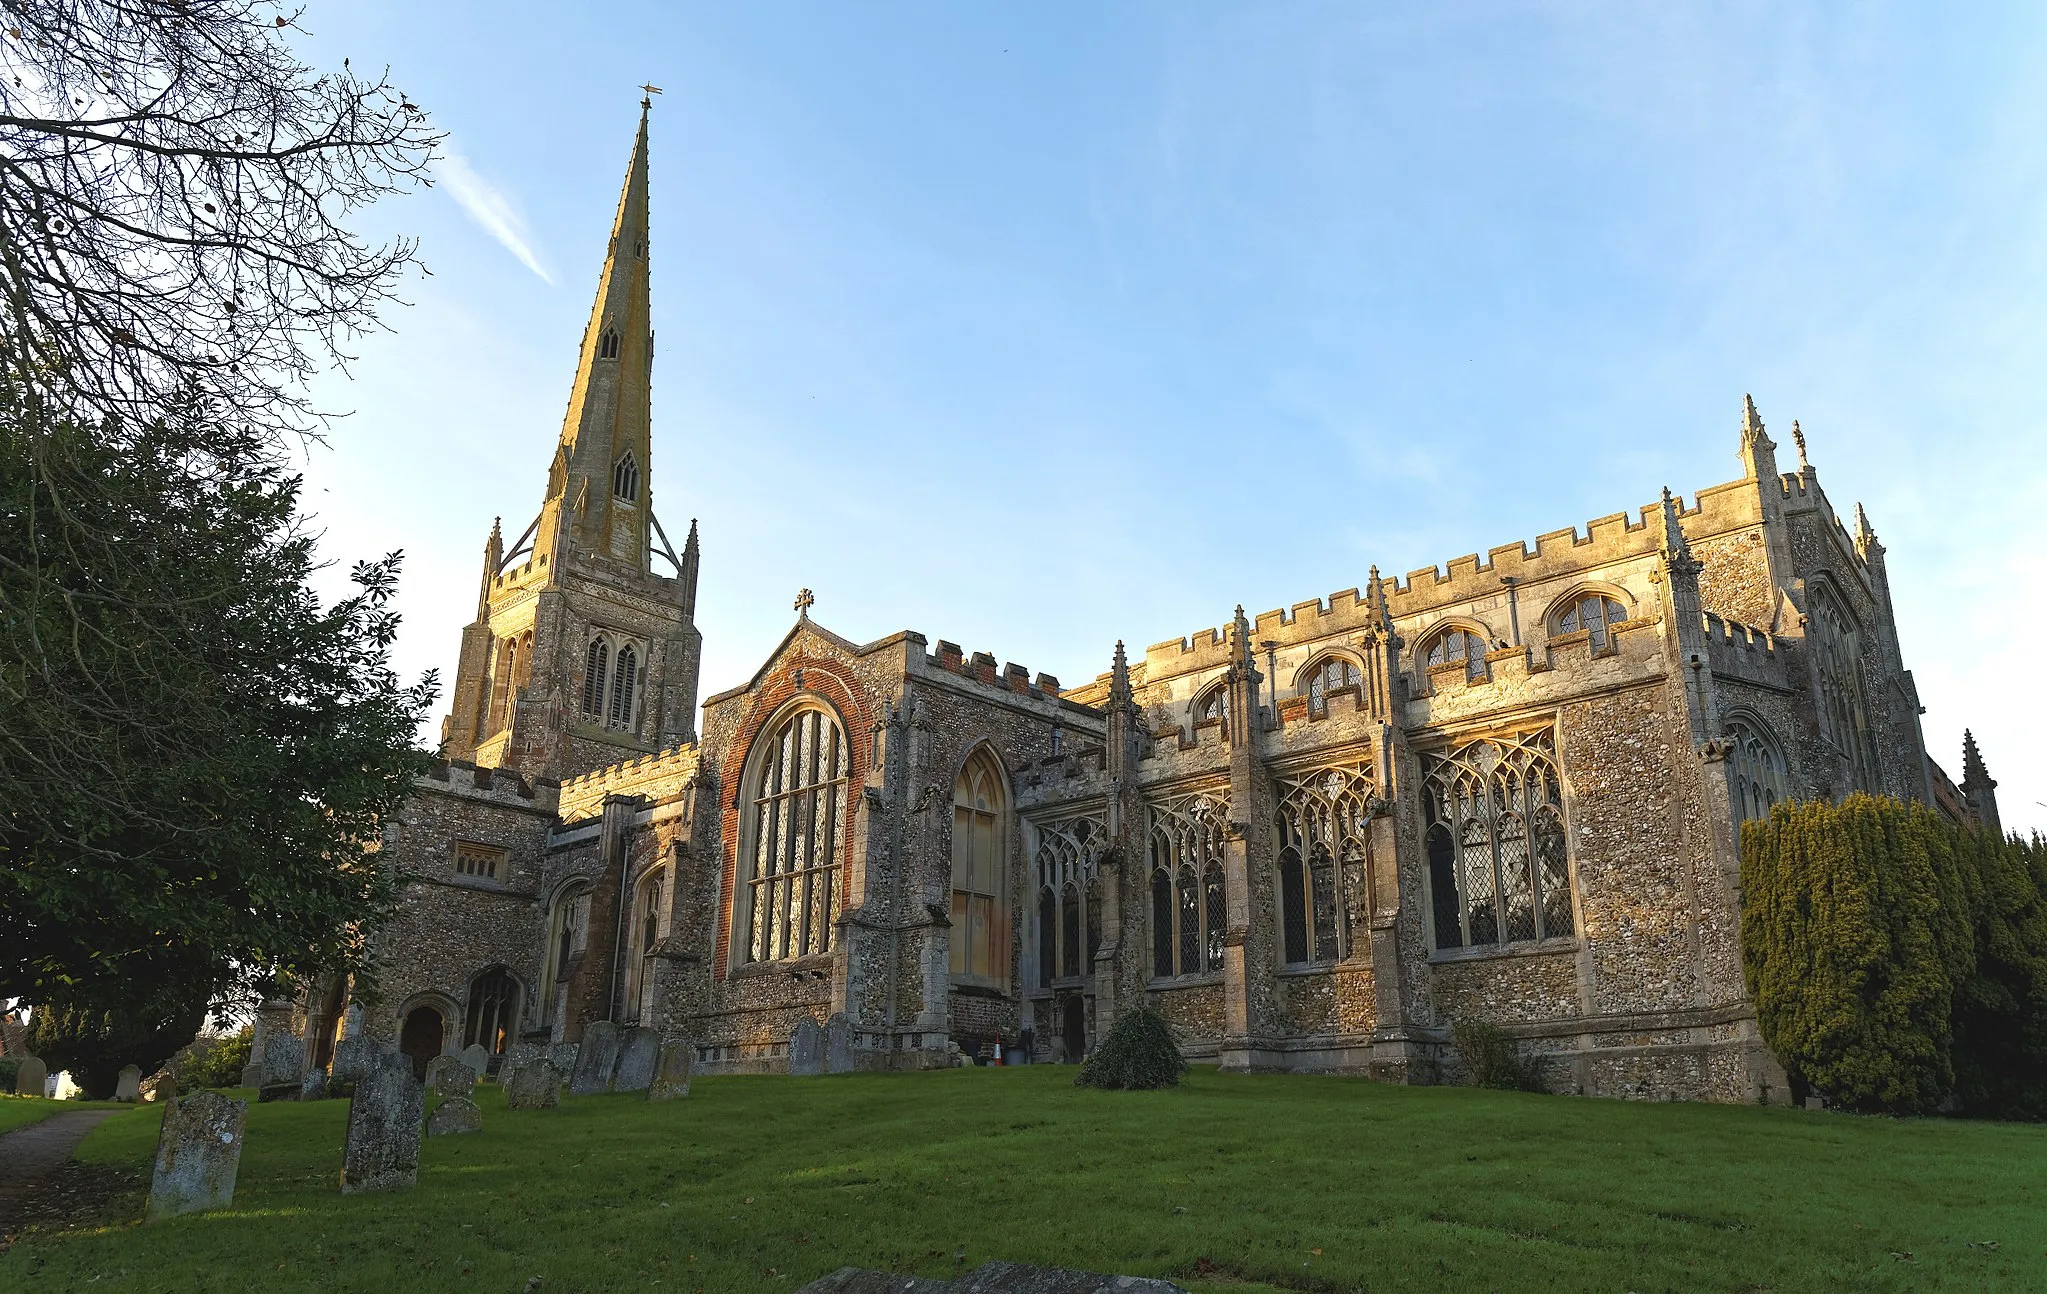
1033,327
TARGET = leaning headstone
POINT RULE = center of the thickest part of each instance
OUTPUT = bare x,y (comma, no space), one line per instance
198,1150
33,1078
597,1059
564,1055
382,1151
477,1059
838,1044
450,1076
354,1057
454,1114
671,1068
535,1085
806,1048
125,1085
636,1060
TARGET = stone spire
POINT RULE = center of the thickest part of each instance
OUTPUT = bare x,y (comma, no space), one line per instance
1977,787
598,490
493,558
1758,451
1119,678
1865,535
688,574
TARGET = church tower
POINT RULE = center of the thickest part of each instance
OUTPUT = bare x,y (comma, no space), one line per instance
582,653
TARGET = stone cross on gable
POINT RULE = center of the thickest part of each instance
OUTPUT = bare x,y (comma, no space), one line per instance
805,600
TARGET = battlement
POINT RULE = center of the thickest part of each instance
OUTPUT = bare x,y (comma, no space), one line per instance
659,776
1737,636
980,667
505,785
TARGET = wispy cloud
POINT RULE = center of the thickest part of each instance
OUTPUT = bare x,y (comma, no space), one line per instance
492,209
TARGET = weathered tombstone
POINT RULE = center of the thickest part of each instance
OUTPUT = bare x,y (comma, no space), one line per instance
454,1114
33,1078
313,1087
197,1152
354,1057
535,1085
564,1055
597,1058
125,1085
806,1048
477,1059
450,1076
671,1068
636,1060
284,1067
382,1152
838,1044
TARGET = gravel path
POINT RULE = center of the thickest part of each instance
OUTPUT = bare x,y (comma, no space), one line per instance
32,1157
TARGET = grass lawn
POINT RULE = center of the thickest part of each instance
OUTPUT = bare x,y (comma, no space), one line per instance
20,1111
1253,1183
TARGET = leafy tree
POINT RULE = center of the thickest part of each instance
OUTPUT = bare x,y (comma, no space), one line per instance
95,1045
219,1063
1140,1052
196,757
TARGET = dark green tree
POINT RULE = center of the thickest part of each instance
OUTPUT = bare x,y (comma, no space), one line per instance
2001,1009
95,1045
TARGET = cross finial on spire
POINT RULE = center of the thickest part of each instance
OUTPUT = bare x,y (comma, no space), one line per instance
805,600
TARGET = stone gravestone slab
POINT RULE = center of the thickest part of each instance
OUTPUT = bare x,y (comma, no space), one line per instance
477,1059
636,1061
197,1152
32,1078
382,1152
354,1057
454,1114
838,1044
596,1059
671,1069
313,1087
806,1048
126,1085
450,1076
284,1065
535,1085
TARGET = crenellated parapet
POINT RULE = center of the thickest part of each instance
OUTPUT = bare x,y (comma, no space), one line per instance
657,777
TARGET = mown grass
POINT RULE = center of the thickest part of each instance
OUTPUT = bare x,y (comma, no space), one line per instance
1276,1182
20,1111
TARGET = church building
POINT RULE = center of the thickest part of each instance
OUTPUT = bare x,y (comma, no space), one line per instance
1508,789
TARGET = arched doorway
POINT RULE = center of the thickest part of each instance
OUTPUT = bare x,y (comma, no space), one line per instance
420,1038
1073,1030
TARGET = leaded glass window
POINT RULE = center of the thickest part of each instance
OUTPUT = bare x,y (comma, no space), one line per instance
1324,862
1593,613
980,914
1190,912
1214,705
1069,898
1456,646
1499,868
1331,675
625,478
794,844
1756,774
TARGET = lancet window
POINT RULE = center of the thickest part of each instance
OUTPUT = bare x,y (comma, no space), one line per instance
493,1015
1324,863
607,345
1189,912
625,689
625,478
1457,646
645,936
1592,612
568,926
1756,772
1213,705
1330,675
980,913
611,683
794,846
1499,871
596,672
1069,909
1837,643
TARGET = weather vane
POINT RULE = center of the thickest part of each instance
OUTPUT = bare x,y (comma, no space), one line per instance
647,90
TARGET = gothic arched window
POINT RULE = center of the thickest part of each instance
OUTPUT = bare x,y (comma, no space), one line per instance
1457,646
1330,675
625,478
1757,778
1837,643
1591,613
596,672
1189,908
980,912
1069,911
1214,705
645,935
493,1014
607,345
625,681
1499,870
1324,863
568,926
793,848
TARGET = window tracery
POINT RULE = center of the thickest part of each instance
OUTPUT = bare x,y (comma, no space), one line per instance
1457,646
568,924
980,914
625,478
1499,870
1757,774
1324,862
1067,855
1593,613
1837,643
645,935
607,345
493,1015
794,846
1214,705
1189,907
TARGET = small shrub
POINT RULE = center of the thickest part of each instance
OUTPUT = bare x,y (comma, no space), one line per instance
1492,1060
10,1067
1140,1052
219,1064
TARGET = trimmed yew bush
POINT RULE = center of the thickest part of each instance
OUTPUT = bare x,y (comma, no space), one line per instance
1141,1052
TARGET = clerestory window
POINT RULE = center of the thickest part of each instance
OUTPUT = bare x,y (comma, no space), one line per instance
1331,675
1457,646
1594,613
1323,863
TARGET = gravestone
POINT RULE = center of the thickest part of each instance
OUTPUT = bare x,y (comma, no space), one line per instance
354,1056
198,1150
284,1065
477,1059
806,1048
454,1114
636,1060
313,1087
450,1076
127,1082
382,1152
596,1059
671,1068
535,1085
32,1079
838,1044
564,1055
